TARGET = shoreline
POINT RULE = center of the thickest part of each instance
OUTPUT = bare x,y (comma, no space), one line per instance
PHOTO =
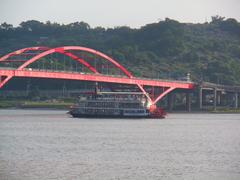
61,104
64,108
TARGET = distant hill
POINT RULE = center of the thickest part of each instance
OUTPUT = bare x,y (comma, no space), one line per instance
167,49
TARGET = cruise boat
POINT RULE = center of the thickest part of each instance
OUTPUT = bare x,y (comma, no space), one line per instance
115,105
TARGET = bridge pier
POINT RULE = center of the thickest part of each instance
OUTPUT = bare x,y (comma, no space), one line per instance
170,102
218,98
236,100
200,97
215,99
188,101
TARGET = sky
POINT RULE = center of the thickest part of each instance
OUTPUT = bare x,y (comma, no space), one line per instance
112,13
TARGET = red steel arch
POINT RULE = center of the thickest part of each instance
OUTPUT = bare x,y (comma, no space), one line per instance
71,55
44,48
82,61
14,53
20,51
20,72
63,50
66,48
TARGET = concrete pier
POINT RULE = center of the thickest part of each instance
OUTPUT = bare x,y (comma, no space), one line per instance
200,98
236,100
188,101
215,99
170,102
223,95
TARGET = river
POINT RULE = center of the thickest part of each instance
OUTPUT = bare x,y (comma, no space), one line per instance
47,144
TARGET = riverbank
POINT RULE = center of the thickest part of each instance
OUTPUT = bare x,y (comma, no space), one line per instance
47,104
65,105
226,111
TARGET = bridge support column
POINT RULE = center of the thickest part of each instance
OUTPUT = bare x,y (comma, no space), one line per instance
215,99
188,101
170,102
200,98
219,98
236,100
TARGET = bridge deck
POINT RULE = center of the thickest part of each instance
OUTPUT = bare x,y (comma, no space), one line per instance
98,78
208,85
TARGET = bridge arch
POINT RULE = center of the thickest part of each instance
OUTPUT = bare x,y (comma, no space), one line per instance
3,81
21,51
71,55
67,50
64,49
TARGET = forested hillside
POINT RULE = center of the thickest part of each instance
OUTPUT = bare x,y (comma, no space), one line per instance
167,49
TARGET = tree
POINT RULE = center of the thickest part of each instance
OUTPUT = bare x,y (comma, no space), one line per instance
32,25
210,50
6,26
216,19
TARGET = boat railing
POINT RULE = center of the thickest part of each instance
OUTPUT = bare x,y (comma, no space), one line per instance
111,108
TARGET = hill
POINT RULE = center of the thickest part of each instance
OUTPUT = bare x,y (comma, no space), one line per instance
167,49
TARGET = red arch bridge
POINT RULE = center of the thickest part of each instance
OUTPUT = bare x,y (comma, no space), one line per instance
79,63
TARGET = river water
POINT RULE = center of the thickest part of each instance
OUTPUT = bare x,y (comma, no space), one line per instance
44,144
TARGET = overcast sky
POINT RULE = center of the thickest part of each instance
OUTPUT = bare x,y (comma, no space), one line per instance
111,13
